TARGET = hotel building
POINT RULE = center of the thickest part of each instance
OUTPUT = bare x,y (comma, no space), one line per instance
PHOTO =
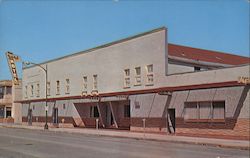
142,83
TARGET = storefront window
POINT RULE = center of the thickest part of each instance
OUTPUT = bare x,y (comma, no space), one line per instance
1,112
219,110
204,111
8,112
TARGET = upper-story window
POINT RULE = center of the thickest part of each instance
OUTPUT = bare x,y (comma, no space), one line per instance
85,84
8,90
1,92
37,89
94,82
48,88
32,90
138,76
67,86
26,91
150,75
57,87
126,78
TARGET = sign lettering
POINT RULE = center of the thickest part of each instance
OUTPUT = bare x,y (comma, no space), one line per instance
244,80
11,61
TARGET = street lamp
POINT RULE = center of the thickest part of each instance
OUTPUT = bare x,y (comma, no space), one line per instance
46,95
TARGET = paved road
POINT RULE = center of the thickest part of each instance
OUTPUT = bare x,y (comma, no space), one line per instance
23,143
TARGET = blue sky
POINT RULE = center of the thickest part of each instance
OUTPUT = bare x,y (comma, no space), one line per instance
43,30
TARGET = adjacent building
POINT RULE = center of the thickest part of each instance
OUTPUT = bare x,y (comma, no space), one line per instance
142,83
10,112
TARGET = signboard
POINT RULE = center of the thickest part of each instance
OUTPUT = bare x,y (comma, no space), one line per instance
11,61
244,80
165,93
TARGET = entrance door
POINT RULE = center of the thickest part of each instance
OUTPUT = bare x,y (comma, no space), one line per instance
30,117
171,120
109,117
55,116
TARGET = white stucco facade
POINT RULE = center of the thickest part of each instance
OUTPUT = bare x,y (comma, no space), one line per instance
108,63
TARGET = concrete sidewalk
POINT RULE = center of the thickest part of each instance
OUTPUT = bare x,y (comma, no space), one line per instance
239,144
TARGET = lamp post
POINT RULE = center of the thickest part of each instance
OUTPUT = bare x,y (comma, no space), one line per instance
46,94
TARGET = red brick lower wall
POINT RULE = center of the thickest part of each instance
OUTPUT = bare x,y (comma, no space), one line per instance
231,128
40,121
151,124
123,123
7,120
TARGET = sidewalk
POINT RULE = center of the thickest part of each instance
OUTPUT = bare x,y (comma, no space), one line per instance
239,144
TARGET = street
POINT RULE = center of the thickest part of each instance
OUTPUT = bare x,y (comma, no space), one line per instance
23,143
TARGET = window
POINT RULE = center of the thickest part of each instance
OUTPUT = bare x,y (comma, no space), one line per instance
8,90
94,82
67,86
57,87
196,68
94,112
190,111
150,76
219,110
32,90
138,71
137,105
138,76
1,92
85,84
8,112
126,78
126,110
204,111
1,112
64,106
26,91
37,89
48,88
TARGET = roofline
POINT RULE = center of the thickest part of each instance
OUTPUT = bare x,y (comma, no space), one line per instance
218,68
215,51
5,82
103,46
145,91
197,62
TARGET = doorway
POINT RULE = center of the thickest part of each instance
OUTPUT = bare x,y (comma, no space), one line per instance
109,117
55,116
171,120
30,117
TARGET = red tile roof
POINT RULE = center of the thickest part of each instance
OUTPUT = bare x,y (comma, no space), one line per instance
206,55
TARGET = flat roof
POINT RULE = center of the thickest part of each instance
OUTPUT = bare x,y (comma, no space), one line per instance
5,82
